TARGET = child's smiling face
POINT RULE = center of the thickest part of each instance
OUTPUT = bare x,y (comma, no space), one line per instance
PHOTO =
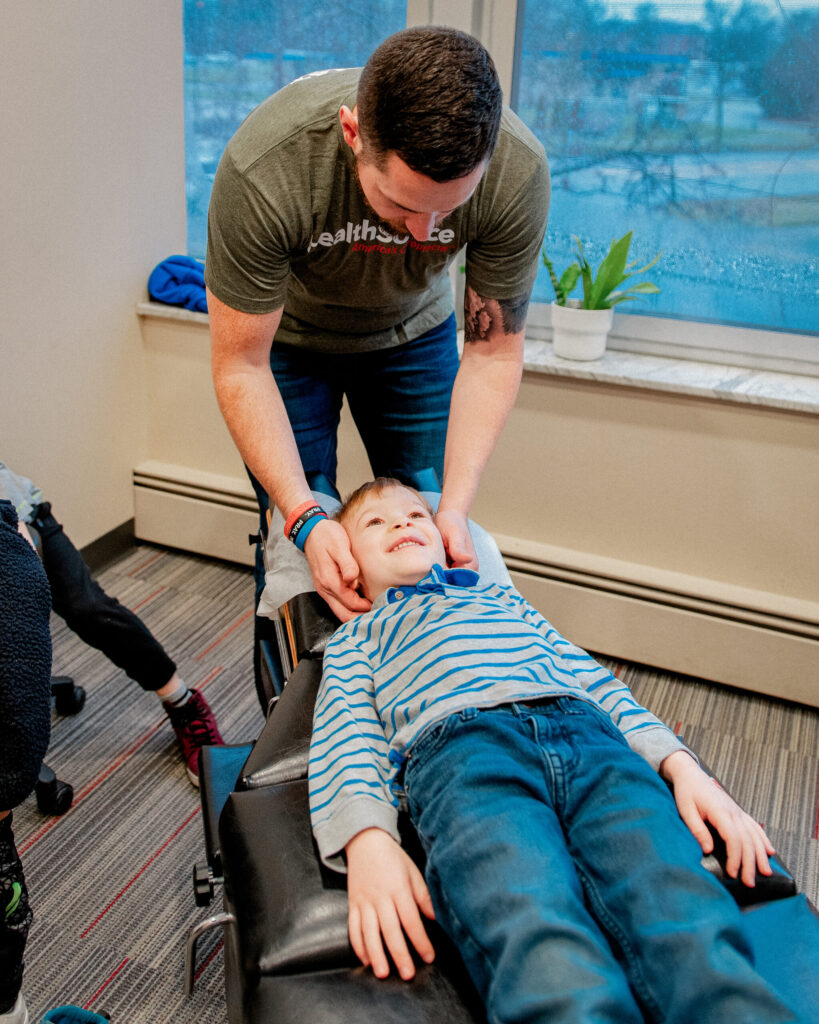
393,539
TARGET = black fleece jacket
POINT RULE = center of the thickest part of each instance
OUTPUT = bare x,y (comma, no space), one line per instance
25,662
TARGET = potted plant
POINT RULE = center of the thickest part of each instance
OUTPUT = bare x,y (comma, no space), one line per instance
580,326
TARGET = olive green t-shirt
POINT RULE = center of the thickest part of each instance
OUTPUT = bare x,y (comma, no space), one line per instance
288,226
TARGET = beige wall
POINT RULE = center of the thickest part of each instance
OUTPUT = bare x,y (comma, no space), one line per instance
718,491
93,196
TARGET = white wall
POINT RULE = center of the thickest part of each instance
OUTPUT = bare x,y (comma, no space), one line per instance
93,196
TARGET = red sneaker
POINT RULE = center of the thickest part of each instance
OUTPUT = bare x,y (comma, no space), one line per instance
195,727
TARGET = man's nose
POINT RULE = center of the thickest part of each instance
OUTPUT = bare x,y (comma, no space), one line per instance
420,225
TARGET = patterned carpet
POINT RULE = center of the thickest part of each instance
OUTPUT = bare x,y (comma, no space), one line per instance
110,881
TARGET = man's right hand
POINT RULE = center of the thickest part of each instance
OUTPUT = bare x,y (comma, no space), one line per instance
334,570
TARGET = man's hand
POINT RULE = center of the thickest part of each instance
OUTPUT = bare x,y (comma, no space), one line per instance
458,545
700,799
334,570
385,891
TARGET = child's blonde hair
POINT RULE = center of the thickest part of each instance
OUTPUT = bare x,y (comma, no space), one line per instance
377,486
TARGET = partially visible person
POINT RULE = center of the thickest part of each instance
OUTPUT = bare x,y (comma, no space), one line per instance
556,859
102,622
25,724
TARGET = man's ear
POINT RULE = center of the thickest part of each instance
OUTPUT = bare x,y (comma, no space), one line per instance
349,128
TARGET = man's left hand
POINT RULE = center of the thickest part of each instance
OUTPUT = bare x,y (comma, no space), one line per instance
454,530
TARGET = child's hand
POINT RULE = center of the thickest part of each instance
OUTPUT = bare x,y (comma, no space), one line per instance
700,799
385,890
454,530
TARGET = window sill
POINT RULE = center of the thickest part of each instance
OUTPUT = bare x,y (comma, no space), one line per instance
165,312
681,376
736,384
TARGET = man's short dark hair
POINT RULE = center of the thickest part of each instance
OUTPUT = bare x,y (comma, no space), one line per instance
432,96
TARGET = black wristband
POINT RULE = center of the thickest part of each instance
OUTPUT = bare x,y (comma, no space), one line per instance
305,517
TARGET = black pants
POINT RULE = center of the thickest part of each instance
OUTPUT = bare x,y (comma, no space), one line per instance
15,917
97,619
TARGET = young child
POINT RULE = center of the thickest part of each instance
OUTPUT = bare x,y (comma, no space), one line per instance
557,860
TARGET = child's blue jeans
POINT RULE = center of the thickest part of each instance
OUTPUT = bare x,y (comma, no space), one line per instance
559,866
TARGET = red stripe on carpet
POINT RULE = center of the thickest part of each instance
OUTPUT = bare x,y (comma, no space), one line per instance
208,960
94,783
678,727
141,871
227,633
105,984
150,597
145,564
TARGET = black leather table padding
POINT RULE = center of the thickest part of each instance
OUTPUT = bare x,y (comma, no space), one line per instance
281,752
291,911
313,624
219,770
356,996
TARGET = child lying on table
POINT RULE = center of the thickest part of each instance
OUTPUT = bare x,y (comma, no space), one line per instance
557,860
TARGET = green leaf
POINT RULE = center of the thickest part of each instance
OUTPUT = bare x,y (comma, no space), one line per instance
569,279
611,271
560,295
648,266
644,287
586,273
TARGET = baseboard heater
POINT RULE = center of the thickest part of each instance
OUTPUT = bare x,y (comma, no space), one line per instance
768,643
754,640
207,513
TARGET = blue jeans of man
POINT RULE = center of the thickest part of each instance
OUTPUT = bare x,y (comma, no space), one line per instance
399,399
559,866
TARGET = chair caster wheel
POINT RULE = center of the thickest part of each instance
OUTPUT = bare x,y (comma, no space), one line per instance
69,699
53,796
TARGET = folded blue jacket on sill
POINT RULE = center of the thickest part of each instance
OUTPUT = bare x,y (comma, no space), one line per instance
179,281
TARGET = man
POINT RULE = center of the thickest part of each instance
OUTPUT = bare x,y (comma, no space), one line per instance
336,211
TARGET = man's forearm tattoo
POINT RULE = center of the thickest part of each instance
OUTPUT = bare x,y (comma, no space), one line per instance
483,316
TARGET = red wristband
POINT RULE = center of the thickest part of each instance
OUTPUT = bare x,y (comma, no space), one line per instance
294,515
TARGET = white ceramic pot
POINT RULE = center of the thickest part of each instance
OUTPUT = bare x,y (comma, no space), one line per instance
579,333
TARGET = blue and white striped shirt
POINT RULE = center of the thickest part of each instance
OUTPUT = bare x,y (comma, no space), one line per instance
421,654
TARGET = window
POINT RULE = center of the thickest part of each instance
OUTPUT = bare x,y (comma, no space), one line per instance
693,122
696,124
238,52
